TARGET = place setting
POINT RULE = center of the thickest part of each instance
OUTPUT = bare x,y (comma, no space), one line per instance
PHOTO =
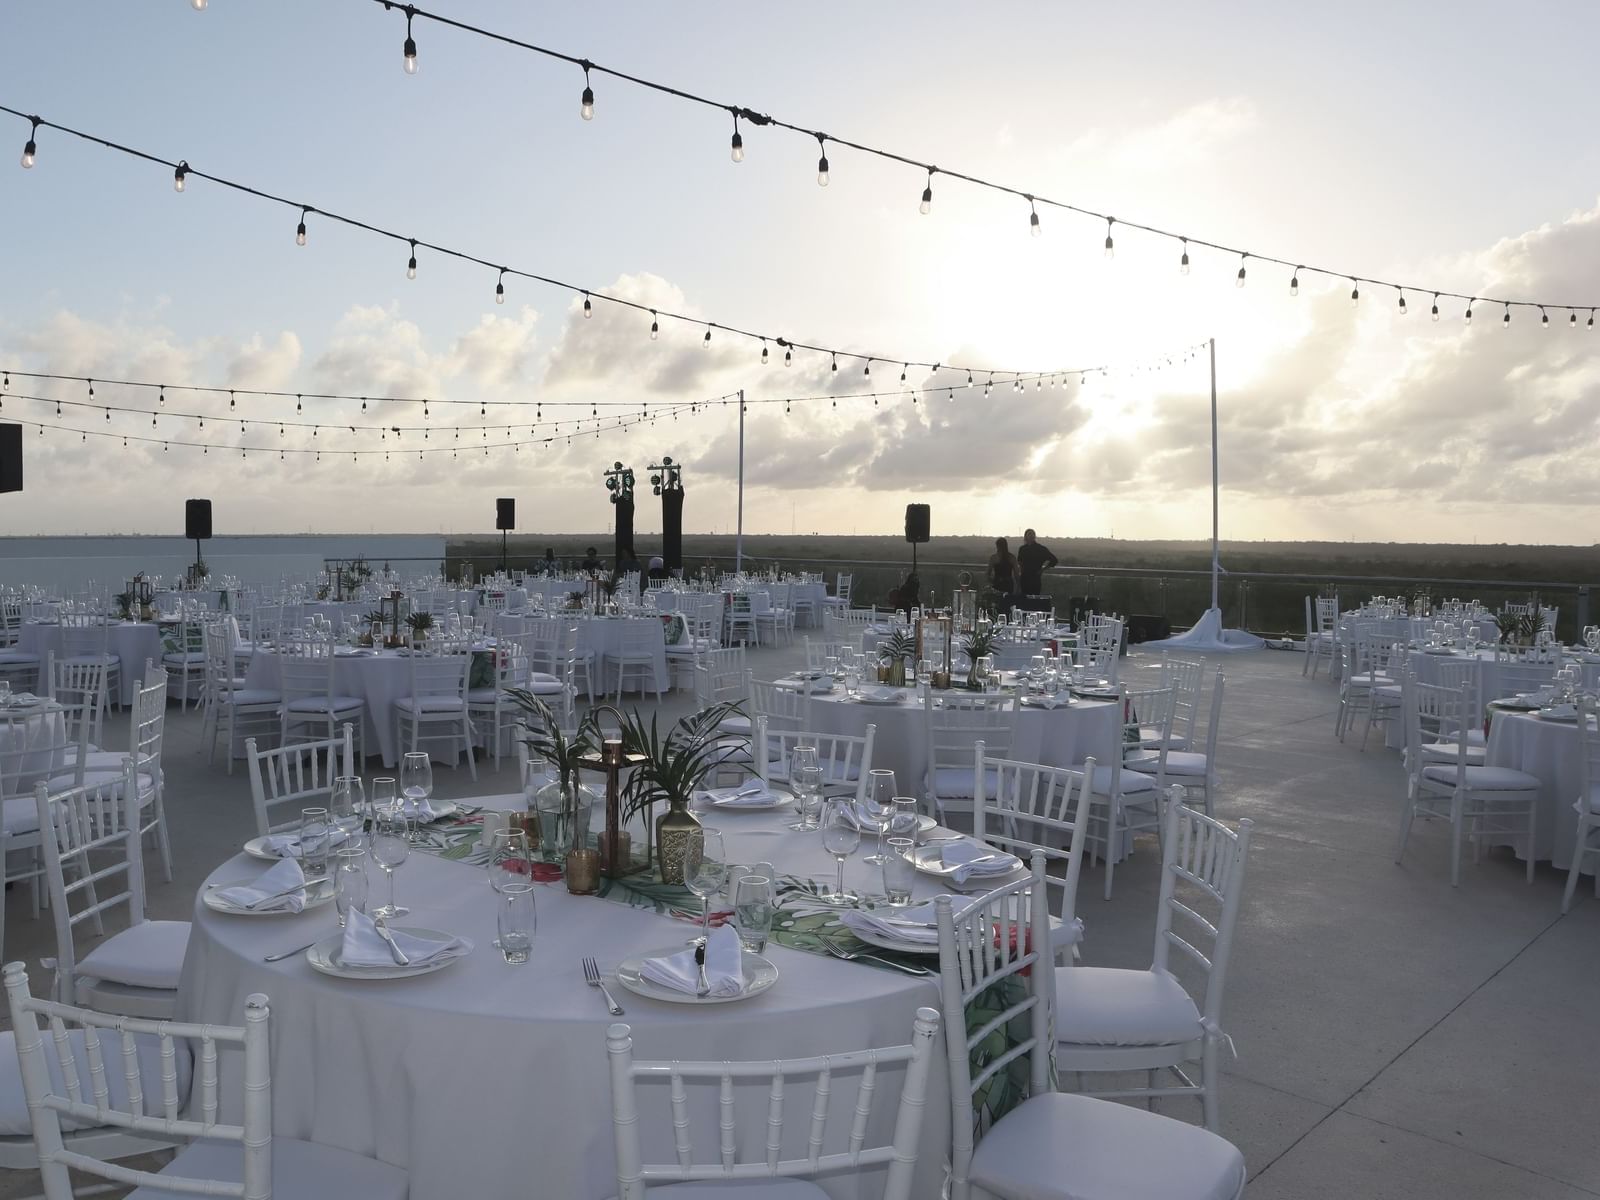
280,890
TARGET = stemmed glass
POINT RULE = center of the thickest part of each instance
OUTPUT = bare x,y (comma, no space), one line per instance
705,866
803,772
390,849
840,837
348,804
416,785
879,808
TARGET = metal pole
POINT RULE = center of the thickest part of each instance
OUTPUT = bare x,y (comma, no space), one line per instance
738,541
1216,567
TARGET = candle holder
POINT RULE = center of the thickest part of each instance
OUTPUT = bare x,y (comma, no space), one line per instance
583,872
616,843
390,608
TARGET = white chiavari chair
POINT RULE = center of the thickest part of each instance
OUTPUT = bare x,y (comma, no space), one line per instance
309,699
230,708
185,662
845,759
639,650
1112,1020
1587,804
437,702
493,709
1124,802
296,776
952,725
1193,771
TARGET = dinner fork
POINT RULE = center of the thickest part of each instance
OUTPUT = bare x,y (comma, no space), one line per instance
852,955
591,976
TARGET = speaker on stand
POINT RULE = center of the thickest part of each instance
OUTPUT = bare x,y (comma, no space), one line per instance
917,519
505,518
10,458
197,527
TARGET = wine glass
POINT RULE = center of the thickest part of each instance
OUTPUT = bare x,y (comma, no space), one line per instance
416,784
878,808
705,866
390,849
807,784
347,803
802,761
840,837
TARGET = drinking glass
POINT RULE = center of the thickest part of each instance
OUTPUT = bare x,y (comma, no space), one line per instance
347,804
878,808
315,831
852,682
924,670
840,837
349,881
390,849
385,792
985,665
416,785
899,871
754,902
517,920
830,665
705,867
508,859
904,820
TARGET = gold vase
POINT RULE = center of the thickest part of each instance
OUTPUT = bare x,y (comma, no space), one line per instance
676,830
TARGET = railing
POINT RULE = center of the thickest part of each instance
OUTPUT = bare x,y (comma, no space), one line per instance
1265,602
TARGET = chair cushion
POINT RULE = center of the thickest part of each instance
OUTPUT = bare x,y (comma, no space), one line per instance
484,695
536,678
1179,762
1132,782
21,815
734,724
955,783
149,954
742,1189
14,1105
1104,1006
16,658
1064,1147
194,658
321,704
429,704
100,778
247,697
303,1170
1446,752
1483,779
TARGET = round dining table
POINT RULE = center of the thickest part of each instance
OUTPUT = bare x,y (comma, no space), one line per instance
131,641
490,1081
1058,737
1551,751
32,748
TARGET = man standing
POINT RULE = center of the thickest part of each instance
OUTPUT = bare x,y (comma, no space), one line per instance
1033,560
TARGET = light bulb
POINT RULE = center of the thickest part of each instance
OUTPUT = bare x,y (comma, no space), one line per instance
1435,313
1544,319
924,208
788,355
1505,321
738,146
1033,220
178,175
411,263
1467,317
1294,282
588,308
763,354
1403,309
28,152
835,362
1355,294
1183,262
300,232
500,291
706,342
1573,320
1238,280
866,371
1111,246
198,5
411,55
822,171
1590,326
655,326
586,110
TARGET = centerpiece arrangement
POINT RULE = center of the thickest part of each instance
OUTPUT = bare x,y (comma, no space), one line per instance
1521,630
978,644
419,623
558,814
893,654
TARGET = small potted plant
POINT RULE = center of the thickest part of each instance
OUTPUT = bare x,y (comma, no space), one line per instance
978,644
559,809
895,651
673,768
419,623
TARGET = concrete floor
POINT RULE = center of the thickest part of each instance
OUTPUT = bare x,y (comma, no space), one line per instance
1396,1037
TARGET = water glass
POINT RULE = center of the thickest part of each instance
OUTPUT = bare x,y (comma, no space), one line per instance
390,849
754,903
830,665
852,683
416,785
347,804
705,869
349,881
841,835
899,870
508,860
385,791
879,807
905,819
807,784
316,830
517,921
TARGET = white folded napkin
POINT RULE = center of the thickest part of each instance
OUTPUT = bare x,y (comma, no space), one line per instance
884,694
1567,711
287,845
279,877
969,858
1046,701
420,810
915,923
861,817
751,795
724,966
362,947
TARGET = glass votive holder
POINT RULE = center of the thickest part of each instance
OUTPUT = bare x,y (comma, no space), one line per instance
899,871
583,872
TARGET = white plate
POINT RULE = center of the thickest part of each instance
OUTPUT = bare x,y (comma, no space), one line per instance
884,943
759,975
1439,650
930,861
1545,714
748,804
256,847
318,894
1095,693
324,957
897,698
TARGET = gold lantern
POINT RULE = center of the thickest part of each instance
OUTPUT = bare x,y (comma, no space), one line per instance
615,842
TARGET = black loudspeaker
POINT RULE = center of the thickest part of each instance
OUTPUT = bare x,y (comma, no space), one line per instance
917,516
197,520
623,547
10,458
1148,627
672,529
505,513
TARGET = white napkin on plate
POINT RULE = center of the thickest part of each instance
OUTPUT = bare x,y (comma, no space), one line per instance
287,845
969,858
724,966
915,923
883,695
423,812
751,795
1047,701
279,877
362,947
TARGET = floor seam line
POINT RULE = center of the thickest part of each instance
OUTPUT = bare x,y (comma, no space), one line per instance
1439,1141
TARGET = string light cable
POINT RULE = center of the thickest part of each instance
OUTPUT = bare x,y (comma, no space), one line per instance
1033,199
594,295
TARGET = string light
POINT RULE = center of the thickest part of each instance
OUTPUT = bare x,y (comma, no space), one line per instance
1544,318
1294,282
198,5
1355,293
1435,312
1505,321
705,343
300,229
1572,321
1402,303
835,363
763,352
588,308
30,147
410,48
1033,218
1111,247
1591,319
586,108
655,326
867,370
1238,280
788,355
737,144
924,208
411,263
1467,317
179,174
822,162
1183,262
500,287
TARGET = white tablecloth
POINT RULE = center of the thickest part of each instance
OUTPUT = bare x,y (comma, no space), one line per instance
490,1081
30,747
131,642
378,677
1059,737
1549,750
552,593
603,635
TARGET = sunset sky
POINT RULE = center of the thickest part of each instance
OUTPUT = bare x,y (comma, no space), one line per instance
1446,146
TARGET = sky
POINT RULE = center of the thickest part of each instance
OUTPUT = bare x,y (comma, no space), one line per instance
1444,146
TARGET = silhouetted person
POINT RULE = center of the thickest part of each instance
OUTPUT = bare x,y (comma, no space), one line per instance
550,566
1002,568
658,568
1033,560
591,564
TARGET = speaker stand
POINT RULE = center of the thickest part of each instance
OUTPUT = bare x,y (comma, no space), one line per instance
504,564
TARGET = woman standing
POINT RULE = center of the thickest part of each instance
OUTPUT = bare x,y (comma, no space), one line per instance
1003,573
